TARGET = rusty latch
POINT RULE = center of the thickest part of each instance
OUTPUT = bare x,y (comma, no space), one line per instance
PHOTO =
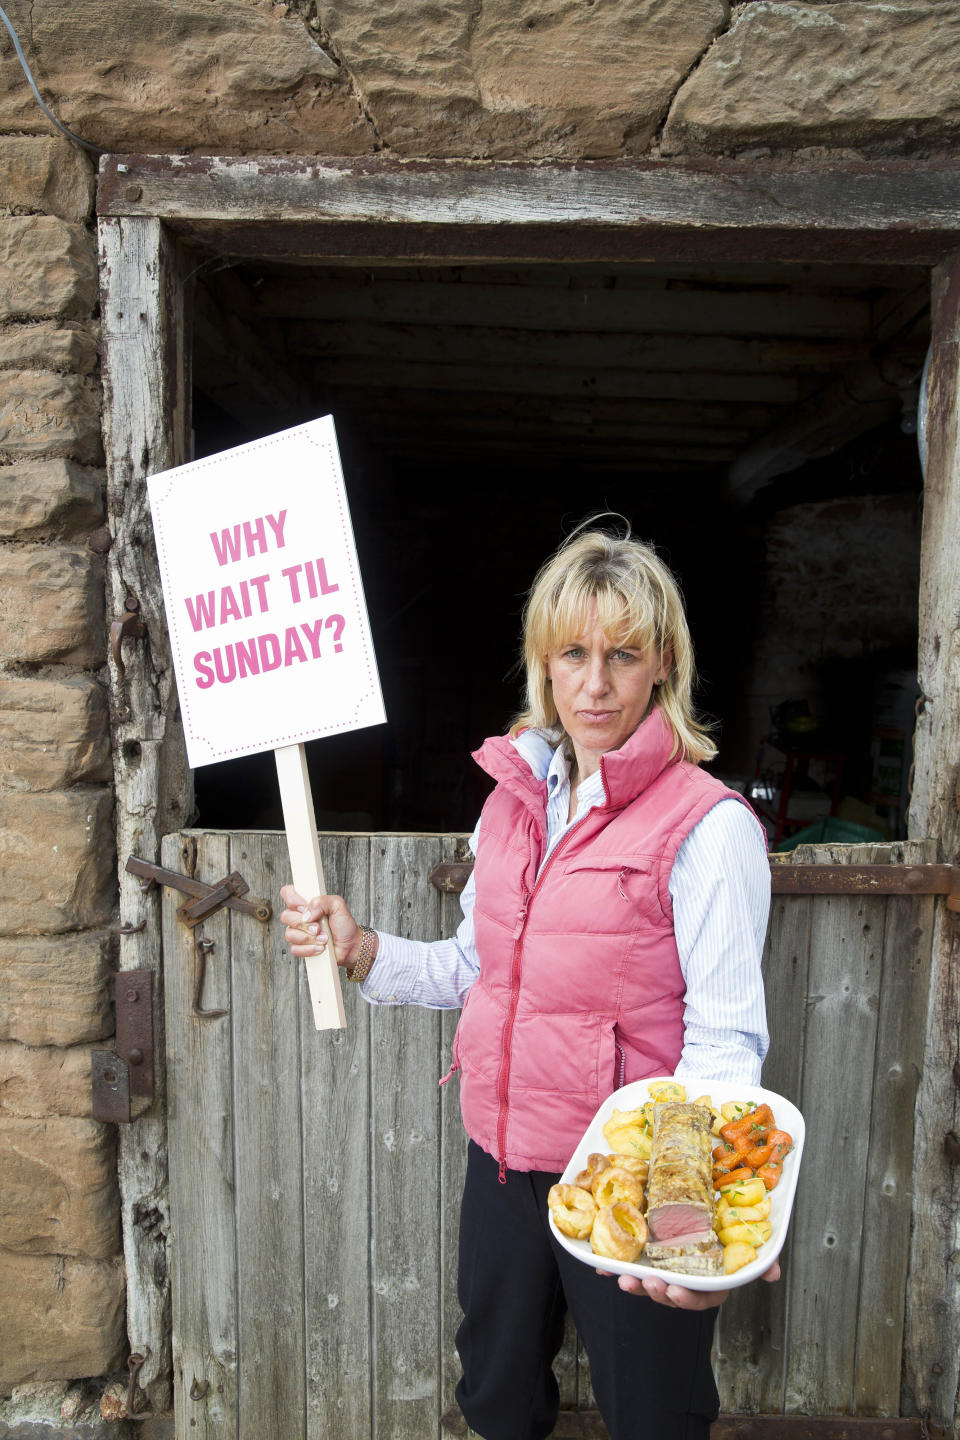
207,899
127,1071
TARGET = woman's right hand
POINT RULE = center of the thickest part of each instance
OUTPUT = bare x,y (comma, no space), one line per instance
303,933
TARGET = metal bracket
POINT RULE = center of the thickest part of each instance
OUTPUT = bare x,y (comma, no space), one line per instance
127,1071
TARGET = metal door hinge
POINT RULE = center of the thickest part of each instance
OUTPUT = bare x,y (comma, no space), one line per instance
128,1071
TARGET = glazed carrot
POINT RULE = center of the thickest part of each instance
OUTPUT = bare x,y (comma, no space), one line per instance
780,1144
737,1131
751,1127
770,1174
759,1155
725,1158
734,1178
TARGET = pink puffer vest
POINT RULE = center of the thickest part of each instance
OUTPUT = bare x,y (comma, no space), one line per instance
580,988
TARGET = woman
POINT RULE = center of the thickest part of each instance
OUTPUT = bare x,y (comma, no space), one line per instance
612,931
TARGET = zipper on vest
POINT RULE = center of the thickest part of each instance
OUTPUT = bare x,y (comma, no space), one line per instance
621,1066
503,1080
504,1077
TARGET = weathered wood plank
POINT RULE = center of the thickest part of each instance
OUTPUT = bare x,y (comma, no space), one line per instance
202,1159
894,199
907,937
405,1138
266,1022
843,995
146,425
752,1336
453,1160
336,1186
932,1350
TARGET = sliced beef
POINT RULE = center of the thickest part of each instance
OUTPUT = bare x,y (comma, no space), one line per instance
702,1259
681,1204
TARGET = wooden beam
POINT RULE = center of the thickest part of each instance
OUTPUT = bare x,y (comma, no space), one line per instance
485,345
619,310
566,382
601,412
395,425
893,210
932,1350
586,451
146,425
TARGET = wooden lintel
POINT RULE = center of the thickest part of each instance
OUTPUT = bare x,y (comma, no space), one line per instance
893,210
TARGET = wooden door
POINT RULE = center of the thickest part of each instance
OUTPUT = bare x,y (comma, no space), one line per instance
315,1178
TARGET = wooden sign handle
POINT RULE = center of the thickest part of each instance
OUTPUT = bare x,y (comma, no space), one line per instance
306,870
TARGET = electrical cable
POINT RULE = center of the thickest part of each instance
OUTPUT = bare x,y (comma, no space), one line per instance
39,98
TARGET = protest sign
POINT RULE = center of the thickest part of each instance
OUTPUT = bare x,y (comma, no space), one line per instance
268,624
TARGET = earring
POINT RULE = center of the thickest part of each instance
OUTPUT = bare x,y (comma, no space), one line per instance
659,681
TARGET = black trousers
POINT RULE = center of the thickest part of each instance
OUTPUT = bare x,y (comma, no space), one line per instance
650,1365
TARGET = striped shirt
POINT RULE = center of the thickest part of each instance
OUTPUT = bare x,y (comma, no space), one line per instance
720,889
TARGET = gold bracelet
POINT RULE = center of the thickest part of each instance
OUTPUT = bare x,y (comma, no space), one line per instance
365,956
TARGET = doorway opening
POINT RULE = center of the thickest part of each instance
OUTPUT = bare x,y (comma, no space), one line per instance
756,421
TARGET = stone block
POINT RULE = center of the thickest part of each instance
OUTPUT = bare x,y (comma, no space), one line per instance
517,78
59,1194
45,1081
49,499
238,76
48,269
65,349
46,174
876,76
51,604
54,991
68,1319
53,733
44,414
57,868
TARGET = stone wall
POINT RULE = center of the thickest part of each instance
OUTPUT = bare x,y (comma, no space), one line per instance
59,1220
505,79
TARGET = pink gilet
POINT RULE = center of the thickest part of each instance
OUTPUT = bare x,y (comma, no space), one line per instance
580,987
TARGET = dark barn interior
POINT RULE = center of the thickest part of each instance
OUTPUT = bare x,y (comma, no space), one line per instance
757,422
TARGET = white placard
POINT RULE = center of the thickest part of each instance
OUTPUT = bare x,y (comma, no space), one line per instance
268,623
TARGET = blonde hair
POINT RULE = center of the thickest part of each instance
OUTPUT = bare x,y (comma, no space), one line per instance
638,604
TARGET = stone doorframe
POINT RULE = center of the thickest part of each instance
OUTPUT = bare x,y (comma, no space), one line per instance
424,212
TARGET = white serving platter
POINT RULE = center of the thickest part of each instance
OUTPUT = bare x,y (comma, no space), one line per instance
631,1097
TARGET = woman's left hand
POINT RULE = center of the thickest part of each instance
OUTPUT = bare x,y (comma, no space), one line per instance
678,1297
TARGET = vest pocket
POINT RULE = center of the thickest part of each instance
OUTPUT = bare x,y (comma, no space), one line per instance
616,890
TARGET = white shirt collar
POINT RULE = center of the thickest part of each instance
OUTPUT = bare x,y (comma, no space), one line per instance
549,762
